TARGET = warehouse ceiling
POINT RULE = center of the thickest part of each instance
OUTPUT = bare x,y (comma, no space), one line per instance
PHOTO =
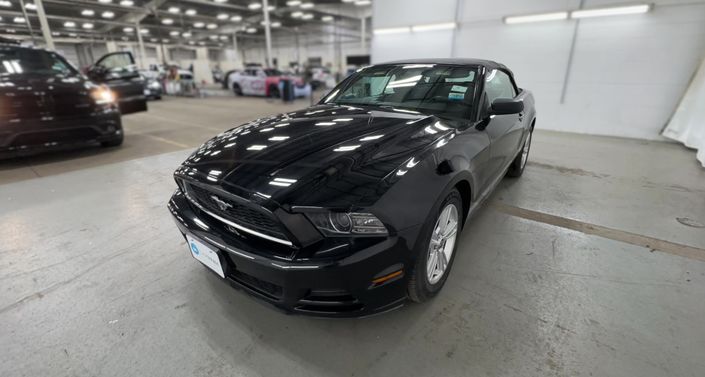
203,22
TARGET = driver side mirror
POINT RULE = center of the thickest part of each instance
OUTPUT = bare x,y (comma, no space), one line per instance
96,72
505,106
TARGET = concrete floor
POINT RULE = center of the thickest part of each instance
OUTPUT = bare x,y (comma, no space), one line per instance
583,267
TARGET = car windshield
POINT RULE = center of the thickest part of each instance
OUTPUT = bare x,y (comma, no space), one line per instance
28,61
444,90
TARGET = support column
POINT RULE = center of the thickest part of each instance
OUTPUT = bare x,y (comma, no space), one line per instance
363,34
267,32
46,32
140,43
237,54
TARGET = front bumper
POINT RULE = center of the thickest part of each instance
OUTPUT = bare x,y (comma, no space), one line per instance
29,136
339,287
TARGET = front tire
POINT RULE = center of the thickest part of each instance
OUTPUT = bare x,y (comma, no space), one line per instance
115,142
436,251
516,169
237,90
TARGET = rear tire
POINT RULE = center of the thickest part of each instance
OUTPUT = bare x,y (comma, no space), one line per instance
274,92
436,250
516,169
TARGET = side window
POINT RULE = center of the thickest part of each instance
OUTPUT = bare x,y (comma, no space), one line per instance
498,85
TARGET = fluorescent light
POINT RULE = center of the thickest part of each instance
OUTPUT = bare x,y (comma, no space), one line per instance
69,24
256,147
127,3
144,31
393,30
297,14
87,25
174,10
190,12
327,18
251,30
254,6
221,1
612,11
18,20
361,3
211,26
236,18
5,4
199,25
276,24
223,16
429,27
536,18
87,12
107,14
167,21
174,33
186,35
128,30
30,6
293,3
307,16
105,1
307,5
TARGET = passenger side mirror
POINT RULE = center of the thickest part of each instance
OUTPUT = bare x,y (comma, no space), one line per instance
504,106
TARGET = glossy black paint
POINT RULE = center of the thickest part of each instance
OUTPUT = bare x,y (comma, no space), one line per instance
395,164
40,112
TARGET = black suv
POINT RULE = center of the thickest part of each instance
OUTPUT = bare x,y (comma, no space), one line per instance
46,103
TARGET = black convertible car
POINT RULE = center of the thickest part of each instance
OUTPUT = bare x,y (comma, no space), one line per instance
352,206
46,103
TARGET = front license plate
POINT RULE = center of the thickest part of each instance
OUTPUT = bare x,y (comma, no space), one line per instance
205,255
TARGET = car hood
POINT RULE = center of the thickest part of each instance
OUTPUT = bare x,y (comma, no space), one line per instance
329,156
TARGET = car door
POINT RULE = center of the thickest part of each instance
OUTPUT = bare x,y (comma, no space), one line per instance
505,131
118,71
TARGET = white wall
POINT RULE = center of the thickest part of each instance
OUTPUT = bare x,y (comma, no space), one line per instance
628,72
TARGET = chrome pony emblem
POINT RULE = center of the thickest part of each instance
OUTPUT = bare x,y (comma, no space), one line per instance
221,203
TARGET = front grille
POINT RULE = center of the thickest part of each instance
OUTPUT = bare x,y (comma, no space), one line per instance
238,213
262,286
59,136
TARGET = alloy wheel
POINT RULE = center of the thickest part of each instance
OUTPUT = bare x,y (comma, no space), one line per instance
442,244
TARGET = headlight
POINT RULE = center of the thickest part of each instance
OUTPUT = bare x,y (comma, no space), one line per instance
341,223
103,95
154,85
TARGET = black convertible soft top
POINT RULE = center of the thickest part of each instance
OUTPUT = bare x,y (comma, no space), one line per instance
489,64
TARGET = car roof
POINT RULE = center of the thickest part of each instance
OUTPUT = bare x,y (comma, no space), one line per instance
490,64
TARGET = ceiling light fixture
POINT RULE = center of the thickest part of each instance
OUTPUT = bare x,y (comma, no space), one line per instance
69,24
251,30
555,16
307,16
307,5
293,3
276,24
105,1
199,25
128,30
392,30
127,3
236,18
30,6
18,20
362,3
174,10
174,33
297,14
190,12
87,25
107,14
221,1
429,27
612,11
88,12
254,6
211,26
167,21
222,16
327,18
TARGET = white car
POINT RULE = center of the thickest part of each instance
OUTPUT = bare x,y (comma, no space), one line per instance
257,81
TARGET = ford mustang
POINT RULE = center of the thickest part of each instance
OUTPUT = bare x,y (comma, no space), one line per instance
354,206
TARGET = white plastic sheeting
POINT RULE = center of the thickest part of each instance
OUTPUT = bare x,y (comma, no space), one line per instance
688,122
